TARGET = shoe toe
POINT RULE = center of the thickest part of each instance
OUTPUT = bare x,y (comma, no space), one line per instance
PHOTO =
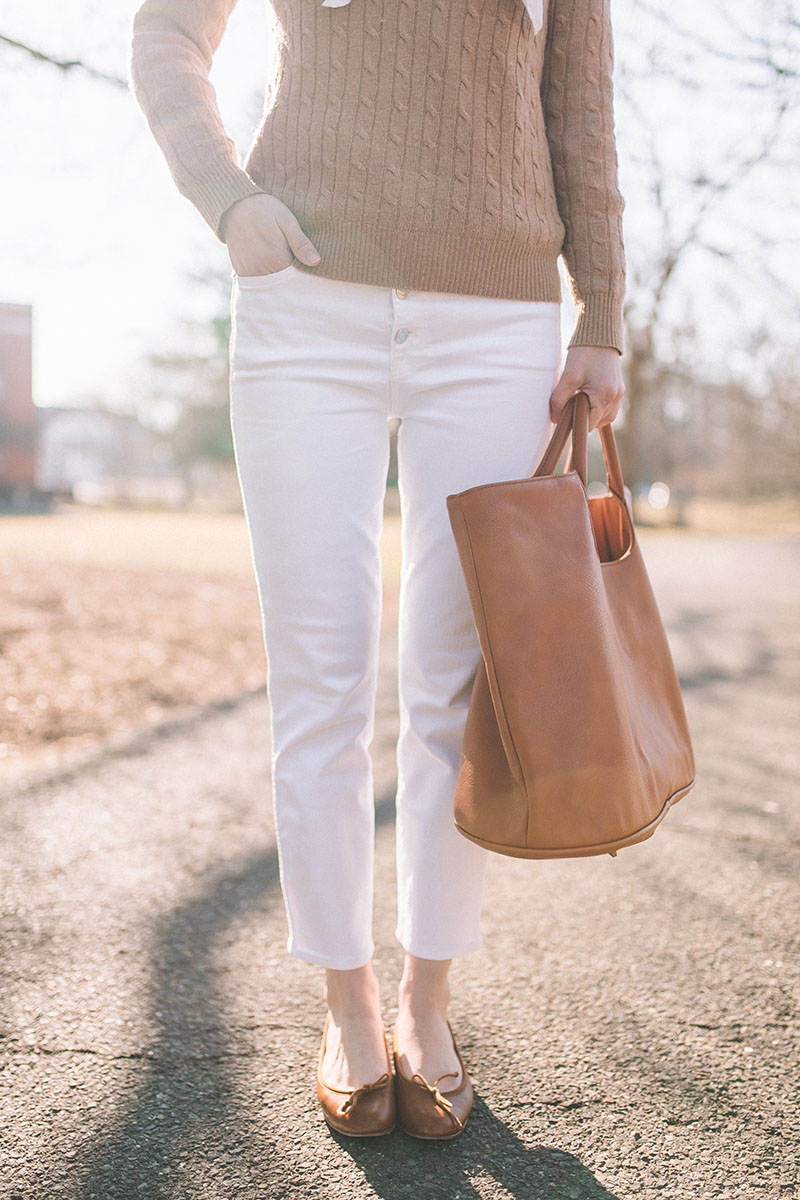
426,1111
366,1111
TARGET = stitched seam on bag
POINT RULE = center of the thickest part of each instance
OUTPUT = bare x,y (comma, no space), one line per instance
520,772
511,483
599,847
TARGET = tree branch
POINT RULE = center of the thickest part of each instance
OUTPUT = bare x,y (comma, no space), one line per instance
63,64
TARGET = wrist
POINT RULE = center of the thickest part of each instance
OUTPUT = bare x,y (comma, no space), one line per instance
224,219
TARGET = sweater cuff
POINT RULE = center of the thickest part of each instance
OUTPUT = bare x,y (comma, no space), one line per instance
214,194
599,322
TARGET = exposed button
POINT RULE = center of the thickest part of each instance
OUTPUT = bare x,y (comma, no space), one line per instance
401,293
401,335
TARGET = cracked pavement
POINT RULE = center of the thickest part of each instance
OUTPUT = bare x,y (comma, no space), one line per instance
630,1024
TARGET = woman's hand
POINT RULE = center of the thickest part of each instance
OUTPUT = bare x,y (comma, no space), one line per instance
595,370
263,236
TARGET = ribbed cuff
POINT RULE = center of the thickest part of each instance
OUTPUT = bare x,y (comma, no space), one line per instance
214,194
600,322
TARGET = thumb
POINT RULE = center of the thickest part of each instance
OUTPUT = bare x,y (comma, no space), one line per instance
302,246
566,387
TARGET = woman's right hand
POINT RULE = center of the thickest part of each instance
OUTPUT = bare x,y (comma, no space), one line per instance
263,236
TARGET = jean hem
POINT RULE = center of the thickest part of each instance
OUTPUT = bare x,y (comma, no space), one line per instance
437,953
330,962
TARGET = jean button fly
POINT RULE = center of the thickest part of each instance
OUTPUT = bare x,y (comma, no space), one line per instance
401,335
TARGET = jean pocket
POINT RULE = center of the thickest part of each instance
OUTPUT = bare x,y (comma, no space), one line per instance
260,281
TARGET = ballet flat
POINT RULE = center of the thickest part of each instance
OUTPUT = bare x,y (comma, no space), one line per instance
425,1111
366,1111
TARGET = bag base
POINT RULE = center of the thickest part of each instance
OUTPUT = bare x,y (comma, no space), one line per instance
612,848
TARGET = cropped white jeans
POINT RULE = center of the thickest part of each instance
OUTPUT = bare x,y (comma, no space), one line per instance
318,366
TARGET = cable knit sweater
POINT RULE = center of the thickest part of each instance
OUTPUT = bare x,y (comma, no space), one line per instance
422,144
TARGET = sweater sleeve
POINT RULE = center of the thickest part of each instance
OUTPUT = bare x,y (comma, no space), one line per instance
577,99
171,49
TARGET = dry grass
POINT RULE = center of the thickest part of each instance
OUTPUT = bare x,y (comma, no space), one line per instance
114,620
93,651
781,515
207,543
213,543
731,517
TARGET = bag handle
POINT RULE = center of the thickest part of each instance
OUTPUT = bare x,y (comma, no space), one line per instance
574,420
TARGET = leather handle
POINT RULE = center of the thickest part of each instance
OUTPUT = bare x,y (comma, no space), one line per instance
573,421
558,440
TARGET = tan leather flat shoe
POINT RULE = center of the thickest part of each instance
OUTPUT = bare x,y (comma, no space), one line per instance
423,1111
366,1111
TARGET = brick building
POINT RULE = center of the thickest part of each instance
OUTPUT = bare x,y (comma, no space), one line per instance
17,411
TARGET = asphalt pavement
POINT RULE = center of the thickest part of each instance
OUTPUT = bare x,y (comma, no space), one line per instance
630,1024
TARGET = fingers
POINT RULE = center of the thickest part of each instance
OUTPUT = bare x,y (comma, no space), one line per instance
595,370
566,387
302,247
263,235
603,408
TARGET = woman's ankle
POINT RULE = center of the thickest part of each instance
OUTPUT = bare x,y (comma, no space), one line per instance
424,988
352,993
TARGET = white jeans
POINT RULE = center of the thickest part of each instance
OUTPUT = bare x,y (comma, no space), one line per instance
318,366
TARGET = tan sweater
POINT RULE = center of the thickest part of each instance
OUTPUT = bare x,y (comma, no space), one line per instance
422,144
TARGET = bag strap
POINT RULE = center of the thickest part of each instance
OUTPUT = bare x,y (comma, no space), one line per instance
558,439
573,421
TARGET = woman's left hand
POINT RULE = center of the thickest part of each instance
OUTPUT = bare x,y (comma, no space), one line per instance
595,370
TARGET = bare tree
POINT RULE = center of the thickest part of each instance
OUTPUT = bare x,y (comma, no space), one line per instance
188,381
63,64
708,119
712,210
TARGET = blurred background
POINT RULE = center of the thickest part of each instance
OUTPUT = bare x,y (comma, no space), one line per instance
123,555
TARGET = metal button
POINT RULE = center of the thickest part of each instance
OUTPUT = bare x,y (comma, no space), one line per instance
401,293
401,335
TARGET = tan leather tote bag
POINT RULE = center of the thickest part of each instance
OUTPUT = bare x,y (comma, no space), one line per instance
576,740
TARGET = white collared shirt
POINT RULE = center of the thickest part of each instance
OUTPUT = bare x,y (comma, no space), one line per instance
534,8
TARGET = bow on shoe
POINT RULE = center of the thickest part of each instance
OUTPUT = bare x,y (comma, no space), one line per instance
354,1096
438,1098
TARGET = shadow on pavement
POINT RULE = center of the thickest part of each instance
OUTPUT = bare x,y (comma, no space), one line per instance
185,1109
702,635
486,1159
184,1105
185,1115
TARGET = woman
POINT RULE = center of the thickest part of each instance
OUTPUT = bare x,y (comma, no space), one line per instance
394,236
